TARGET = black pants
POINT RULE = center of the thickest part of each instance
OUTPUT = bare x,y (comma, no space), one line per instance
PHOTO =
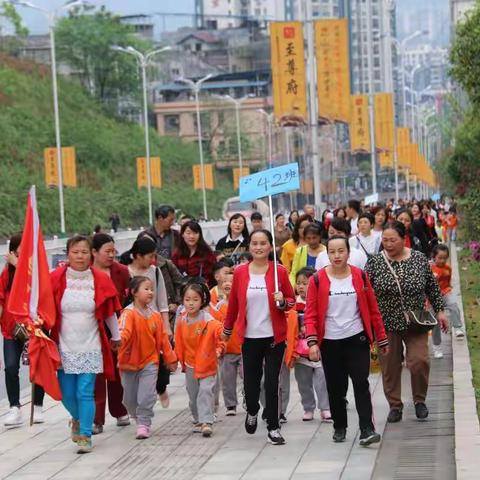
349,357
12,352
163,377
262,355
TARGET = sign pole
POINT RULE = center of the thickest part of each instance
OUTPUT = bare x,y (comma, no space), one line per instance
272,226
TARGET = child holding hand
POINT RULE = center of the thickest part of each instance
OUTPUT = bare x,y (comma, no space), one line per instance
143,338
198,346
309,375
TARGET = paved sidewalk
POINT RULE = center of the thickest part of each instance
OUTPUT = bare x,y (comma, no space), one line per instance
174,452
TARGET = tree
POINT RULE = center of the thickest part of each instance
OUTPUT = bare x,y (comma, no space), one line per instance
11,41
84,42
465,55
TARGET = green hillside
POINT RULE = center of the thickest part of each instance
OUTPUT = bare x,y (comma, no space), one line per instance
106,150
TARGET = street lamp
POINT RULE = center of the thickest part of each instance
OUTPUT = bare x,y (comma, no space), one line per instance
143,60
51,16
238,104
401,48
269,118
196,87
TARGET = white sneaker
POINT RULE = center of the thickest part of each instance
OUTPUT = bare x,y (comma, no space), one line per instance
38,414
459,333
14,417
437,353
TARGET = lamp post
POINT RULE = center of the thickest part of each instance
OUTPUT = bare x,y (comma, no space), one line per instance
143,60
51,16
238,104
269,118
401,48
195,87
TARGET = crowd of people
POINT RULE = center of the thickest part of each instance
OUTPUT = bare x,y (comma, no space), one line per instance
357,279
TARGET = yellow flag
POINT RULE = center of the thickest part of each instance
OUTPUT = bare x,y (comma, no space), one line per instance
403,141
197,176
359,125
237,176
384,121
142,172
288,72
333,69
69,167
155,172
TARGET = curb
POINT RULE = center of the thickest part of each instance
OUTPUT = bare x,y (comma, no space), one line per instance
467,428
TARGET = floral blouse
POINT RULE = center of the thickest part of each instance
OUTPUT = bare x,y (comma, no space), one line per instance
416,280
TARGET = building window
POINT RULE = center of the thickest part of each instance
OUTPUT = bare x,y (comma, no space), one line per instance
172,124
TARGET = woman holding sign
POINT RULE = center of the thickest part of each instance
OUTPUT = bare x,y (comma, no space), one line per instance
258,312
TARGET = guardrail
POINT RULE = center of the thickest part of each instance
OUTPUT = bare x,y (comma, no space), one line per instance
212,232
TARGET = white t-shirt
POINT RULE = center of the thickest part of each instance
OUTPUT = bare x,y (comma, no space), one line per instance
354,225
357,258
343,316
259,324
371,243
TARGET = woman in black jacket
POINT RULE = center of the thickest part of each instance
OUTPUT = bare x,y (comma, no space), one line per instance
237,239
415,233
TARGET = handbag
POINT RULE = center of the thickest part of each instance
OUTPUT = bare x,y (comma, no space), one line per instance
20,333
421,320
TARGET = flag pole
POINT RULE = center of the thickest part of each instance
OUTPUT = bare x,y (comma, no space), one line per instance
272,229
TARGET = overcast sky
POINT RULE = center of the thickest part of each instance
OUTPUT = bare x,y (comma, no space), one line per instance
36,23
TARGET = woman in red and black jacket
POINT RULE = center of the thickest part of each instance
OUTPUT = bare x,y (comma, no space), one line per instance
342,320
258,313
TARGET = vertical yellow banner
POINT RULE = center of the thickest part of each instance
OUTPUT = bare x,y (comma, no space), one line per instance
333,69
197,177
156,172
386,159
69,167
237,176
288,72
51,171
403,140
384,121
359,124
141,172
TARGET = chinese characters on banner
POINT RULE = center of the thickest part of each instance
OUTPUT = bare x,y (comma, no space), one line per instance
155,172
197,176
69,168
237,176
359,125
384,128
333,69
288,72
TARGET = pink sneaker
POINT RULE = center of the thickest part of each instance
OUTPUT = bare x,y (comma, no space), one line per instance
143,432
326,416
307,416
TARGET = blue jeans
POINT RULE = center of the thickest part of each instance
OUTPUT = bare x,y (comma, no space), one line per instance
78,398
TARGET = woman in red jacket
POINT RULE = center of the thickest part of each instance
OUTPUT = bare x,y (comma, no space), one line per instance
342,320
103,251
258,313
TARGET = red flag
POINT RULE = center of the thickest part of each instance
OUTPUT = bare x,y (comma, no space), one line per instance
32,303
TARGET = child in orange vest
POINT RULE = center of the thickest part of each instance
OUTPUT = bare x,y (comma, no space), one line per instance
143,337
451,224
309,375
220,269
198,346
232,360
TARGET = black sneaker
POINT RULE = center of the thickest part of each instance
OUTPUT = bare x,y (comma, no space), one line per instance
275,437
339,435
368,436
251,424
231,411
283,418
395,415
421,411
